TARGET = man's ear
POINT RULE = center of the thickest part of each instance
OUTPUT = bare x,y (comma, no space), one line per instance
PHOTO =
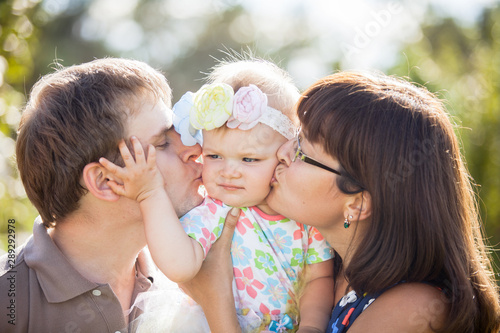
96,177
360,207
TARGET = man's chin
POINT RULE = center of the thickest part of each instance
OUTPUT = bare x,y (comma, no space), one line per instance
189,204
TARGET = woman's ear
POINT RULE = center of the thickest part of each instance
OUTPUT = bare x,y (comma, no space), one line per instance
360,207
96,177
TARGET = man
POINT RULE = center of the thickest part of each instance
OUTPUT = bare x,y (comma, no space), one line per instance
85,263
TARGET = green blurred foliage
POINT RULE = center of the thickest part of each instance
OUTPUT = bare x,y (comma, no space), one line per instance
462,66
18,48
458,61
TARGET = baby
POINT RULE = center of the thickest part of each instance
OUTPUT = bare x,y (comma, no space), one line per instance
245,114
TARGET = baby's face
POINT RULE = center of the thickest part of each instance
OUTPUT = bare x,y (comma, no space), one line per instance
238,165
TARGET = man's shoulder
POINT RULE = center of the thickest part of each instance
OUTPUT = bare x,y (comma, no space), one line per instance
13,271
13,260
14,284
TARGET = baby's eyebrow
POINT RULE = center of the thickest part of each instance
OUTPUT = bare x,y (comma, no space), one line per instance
209,151
249,153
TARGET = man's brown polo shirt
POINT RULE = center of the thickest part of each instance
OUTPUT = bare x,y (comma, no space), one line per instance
42,292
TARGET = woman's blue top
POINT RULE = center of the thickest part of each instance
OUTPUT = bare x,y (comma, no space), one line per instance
348,309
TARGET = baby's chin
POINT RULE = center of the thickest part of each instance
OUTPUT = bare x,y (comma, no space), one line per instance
234,203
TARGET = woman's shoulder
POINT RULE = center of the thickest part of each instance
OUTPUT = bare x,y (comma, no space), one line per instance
408,307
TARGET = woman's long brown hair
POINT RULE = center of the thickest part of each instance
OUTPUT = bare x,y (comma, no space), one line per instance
396,141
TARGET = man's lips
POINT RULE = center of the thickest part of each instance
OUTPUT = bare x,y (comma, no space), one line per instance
198,179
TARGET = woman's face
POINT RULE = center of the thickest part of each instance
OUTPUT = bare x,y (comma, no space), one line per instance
304,192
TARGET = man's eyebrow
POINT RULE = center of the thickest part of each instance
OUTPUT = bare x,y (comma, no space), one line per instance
162,134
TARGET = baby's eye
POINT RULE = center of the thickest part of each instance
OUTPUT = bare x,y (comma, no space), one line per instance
213,156
249,159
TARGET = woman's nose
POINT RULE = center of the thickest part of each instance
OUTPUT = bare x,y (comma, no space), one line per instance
285,152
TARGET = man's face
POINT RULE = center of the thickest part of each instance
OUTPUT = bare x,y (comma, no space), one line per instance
152,124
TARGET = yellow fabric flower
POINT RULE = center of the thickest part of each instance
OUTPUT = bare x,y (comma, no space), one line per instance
213,104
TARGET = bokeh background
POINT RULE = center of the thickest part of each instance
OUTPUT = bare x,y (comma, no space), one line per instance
451,47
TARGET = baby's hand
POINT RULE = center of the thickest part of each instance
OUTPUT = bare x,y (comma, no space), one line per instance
140,177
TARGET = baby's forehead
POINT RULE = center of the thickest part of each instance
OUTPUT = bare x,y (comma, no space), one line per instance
259,133
259,137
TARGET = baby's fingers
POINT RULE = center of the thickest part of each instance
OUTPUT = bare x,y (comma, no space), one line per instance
111,167
117,188
151,156
127,157
138,151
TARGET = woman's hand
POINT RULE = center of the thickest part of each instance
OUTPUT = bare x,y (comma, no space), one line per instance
212,286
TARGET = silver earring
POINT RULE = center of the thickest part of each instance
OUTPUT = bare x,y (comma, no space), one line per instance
347,222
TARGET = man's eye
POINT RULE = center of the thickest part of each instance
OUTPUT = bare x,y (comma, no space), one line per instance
163,145
249,159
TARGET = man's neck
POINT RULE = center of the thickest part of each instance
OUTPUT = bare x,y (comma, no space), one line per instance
100,251
103,252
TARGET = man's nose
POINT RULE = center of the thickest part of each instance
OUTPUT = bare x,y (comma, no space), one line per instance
190,153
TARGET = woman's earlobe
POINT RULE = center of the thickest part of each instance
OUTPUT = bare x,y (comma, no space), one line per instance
96,178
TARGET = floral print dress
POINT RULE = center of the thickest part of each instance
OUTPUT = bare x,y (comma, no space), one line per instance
268,253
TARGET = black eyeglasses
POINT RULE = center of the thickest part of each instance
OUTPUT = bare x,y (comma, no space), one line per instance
303,157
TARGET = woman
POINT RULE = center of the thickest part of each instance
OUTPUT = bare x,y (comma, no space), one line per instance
377,170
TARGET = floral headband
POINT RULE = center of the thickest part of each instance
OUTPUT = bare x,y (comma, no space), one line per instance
215,104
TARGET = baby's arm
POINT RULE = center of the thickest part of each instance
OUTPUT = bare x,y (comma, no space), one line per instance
212,286
176,254
316,303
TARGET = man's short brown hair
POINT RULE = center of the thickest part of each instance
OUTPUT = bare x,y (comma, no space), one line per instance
75,116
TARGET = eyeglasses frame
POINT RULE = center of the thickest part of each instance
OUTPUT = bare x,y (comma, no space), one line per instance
309,160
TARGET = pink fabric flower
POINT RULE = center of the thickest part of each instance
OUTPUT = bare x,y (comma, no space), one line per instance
243,224
246,281
248,106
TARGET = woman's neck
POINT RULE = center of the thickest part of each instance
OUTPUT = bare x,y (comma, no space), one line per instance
264,207
341,285
345,241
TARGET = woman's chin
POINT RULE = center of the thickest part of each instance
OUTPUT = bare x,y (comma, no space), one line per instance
272,200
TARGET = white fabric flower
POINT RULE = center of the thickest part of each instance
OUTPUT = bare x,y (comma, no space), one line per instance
349,298
182,109
367,304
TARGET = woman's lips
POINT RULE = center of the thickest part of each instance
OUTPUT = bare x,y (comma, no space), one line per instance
274,179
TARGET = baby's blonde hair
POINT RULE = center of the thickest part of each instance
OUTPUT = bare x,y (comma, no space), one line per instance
242,70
